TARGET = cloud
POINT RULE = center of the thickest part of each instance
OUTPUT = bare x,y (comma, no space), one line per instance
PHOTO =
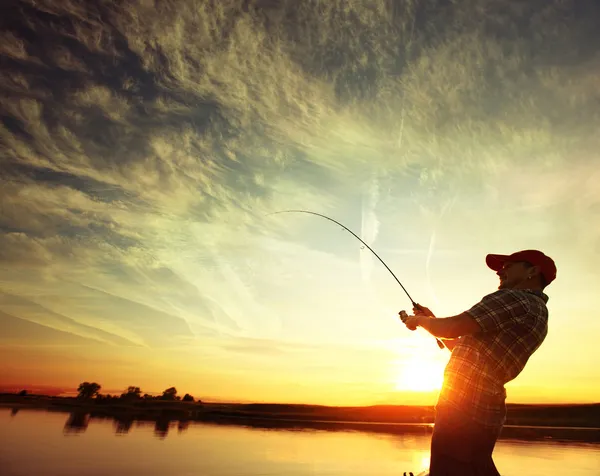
144,142
20,331
38,314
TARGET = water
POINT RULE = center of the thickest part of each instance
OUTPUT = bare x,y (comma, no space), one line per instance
51,443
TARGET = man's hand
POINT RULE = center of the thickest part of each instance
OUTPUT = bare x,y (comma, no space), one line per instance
411,322
414,321
422,311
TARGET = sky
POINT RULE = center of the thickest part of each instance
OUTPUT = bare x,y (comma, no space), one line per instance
144,146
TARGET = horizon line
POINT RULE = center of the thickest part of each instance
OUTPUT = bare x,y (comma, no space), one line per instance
267,402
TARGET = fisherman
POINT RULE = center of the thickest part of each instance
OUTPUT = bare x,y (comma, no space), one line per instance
490,345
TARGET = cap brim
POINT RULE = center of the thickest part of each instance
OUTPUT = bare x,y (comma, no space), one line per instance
496,262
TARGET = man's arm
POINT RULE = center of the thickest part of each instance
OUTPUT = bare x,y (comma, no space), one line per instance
496,311
449,327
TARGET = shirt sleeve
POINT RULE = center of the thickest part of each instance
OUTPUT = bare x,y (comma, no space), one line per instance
500,310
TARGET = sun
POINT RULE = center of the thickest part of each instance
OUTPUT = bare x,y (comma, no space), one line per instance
420,375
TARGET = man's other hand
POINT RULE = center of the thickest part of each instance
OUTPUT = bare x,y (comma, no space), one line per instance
422,311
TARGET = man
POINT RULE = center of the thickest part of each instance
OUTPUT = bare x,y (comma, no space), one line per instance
490,345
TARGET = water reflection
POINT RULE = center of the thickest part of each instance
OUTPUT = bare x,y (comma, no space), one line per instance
182,426
161,427
259,451
123,425
76,423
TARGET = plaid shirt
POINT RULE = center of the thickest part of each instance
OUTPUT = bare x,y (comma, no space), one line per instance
514,324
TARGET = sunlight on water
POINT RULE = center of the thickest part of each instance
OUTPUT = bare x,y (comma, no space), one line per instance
36,443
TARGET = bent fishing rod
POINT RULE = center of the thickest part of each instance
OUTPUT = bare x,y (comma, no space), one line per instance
403,314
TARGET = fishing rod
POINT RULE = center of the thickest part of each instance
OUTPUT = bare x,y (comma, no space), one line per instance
403,314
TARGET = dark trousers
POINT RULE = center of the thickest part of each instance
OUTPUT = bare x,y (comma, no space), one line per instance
460,447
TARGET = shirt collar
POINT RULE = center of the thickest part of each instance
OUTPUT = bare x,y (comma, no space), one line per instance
537,293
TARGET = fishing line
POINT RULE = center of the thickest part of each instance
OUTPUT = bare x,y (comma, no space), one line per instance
415,305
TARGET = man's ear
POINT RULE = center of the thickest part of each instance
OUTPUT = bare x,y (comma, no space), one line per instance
534,271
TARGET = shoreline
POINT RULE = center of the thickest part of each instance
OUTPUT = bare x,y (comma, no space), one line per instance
578,422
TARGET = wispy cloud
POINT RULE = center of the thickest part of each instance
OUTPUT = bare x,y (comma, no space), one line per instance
142,144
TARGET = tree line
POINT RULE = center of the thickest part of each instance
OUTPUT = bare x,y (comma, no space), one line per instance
91,390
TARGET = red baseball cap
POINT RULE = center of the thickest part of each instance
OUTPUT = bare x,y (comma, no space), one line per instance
535,257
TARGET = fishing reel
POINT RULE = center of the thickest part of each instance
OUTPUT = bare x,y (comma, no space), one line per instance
403,316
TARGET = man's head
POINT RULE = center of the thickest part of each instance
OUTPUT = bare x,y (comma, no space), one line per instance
527,269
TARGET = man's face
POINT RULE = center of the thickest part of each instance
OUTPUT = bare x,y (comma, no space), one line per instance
512,274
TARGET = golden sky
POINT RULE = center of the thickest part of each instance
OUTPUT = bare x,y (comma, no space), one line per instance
144,144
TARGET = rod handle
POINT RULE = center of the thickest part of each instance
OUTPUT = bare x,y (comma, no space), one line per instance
440,344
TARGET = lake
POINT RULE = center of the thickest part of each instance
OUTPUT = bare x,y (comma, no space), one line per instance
37,442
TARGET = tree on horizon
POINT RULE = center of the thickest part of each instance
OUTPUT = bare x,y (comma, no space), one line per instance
170,394
132,393
87,390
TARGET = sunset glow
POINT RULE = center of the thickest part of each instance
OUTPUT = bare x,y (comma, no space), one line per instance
417,375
